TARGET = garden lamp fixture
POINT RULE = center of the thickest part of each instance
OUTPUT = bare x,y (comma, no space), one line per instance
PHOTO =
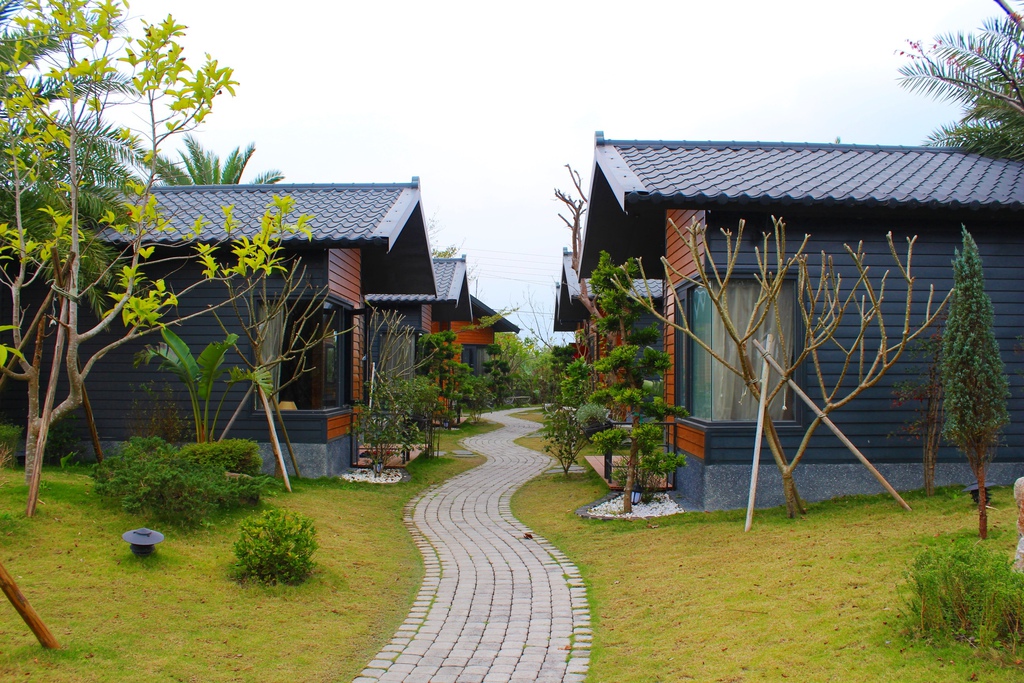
634,497
142,540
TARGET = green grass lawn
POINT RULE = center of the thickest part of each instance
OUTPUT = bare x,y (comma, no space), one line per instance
178,615
694,598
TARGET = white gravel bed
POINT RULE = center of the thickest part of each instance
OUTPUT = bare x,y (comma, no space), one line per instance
661,506
389,476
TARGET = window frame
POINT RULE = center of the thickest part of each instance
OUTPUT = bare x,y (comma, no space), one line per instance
686,351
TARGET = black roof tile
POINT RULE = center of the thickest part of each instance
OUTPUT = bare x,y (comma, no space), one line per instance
342,214
805,173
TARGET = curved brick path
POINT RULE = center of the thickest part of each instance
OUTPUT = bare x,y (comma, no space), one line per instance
494,606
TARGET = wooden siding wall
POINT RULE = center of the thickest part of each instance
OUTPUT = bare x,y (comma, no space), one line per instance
344,275
688,438
474,336
871,421
339,425
426,317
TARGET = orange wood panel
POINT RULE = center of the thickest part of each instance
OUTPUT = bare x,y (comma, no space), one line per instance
690,439
339,425
426,314
474,336
343,274
676,252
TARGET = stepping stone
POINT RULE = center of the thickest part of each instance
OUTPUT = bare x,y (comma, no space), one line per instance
463,454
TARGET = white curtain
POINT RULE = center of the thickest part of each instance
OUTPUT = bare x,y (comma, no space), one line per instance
730,399
273,330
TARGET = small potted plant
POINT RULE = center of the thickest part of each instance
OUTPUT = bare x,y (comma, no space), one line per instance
593,417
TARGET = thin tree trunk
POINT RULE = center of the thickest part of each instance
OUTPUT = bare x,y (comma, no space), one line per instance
29,615
91,421
627,494
45,420
234,415
982,503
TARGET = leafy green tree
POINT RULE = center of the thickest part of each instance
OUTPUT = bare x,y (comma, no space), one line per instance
441,354
563,431
199,375
983,72
200,166
90,65
631,359
973,376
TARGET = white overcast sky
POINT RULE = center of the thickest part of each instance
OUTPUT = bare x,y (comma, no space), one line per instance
487,101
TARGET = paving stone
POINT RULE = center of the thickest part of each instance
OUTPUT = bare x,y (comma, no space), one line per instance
497,603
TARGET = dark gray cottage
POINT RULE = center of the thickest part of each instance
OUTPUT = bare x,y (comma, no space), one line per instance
837,194
366,238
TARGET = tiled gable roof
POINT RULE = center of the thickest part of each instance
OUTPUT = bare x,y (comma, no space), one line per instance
342,214
784,173
449,278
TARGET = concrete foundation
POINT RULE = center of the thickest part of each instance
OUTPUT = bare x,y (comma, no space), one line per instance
727,486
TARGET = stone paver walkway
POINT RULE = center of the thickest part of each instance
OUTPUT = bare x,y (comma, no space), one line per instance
497,603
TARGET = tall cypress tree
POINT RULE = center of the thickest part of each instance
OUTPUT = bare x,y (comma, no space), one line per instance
975,384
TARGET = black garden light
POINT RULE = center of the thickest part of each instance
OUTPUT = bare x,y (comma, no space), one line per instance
142,540
634,497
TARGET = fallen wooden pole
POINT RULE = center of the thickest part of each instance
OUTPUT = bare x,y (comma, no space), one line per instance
30,616
835,430
761,405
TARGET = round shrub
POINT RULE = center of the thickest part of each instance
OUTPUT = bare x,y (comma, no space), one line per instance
276,547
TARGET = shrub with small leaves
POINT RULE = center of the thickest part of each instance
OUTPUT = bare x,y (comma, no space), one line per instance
965,591
234,455
10,435
276,546
151,479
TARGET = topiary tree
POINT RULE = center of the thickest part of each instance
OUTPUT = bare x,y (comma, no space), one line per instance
630,361
973,376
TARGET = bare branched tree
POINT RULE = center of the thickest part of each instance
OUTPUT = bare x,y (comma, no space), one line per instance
575,202
823,303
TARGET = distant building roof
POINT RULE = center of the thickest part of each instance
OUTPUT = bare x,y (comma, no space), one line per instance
482,310
806,173
569,312
452,291
343,215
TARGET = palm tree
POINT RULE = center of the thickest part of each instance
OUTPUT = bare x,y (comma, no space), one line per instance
202,167
985,73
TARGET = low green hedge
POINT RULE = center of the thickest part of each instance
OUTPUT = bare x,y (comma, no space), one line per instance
234,455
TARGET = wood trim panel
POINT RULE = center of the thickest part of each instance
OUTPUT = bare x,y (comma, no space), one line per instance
344,274
339,425
426,318
690,439
676,252
475,336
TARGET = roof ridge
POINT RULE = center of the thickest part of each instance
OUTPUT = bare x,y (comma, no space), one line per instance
756,144
288,186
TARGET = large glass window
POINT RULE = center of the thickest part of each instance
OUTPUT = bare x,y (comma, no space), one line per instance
318,379
716,392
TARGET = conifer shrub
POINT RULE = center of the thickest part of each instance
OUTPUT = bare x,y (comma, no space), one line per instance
150,478
276,546
967,592
241,456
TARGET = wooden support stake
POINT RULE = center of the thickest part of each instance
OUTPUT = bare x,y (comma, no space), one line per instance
273,439
93,432
234,415
287,439
24,609
835,430
761,406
